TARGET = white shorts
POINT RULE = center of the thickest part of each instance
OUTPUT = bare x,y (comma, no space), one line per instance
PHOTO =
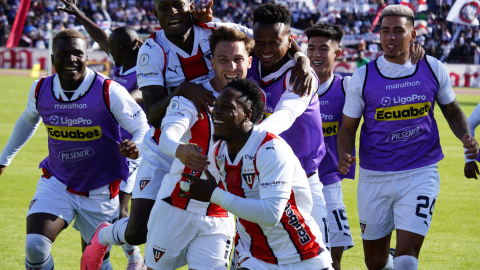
177,237
321,262
148,182
339,234
405,203
319,210
51,196
127,186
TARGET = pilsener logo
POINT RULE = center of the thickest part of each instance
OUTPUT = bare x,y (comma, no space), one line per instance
402,112
402,85
330,128
74,133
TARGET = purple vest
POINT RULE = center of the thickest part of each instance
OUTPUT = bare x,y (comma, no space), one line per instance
305,136
399,131
130,83
332,102
83,137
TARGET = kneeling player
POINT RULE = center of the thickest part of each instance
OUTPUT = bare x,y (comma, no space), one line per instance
267,189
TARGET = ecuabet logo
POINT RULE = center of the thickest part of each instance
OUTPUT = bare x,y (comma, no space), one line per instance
330,128
469,12
74,133
402,112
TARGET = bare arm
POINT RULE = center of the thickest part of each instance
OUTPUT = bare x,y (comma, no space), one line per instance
346,143
93,30
458,123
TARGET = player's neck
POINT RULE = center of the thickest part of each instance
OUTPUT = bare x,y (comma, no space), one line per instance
324,76
275,67
185,41
234,145
130,62
400,60
71,85
217,84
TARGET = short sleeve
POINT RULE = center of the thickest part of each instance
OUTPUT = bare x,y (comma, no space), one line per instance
151,63
31,102
126,111
445,93
354,103
275,169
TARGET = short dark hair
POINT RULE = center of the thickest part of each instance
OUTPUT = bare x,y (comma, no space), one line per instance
272,13
252,97
68,33
333,32
230,34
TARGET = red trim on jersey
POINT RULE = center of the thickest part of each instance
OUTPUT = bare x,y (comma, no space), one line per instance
203,25
194,66
39,85
46,173
263,83
268,137
106,92
114,188
299,232
81,193
234,178
259,246
154,37
216,154
156,135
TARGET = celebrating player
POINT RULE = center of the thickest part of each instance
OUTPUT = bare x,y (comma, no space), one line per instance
266,187
122,46
82,111
399,142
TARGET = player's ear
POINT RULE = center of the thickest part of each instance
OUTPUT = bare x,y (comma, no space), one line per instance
212,61
247,115
338,53
249,62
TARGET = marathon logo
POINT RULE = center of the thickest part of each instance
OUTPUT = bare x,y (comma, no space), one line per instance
120,80
330,128
71,106
295,223
74,155
403,112
74,133
405,134
402,85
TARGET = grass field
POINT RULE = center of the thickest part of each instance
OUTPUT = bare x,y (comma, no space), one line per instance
452,243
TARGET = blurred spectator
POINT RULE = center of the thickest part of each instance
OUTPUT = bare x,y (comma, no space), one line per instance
361,59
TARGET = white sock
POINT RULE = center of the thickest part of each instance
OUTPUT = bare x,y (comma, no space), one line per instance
390,263
37,250
106,265
406,262
132,252
114,234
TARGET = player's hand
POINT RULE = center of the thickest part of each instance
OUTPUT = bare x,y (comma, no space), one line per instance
471,169
140,41
196,93
416,53
203,13
128,149
302,78
345,162
2,168
471,145
191,156
70,7
198,189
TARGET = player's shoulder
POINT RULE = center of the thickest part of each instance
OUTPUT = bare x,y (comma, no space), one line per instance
179,104
206,27
152,44
270,144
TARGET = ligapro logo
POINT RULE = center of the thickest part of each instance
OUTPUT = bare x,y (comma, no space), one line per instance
54,119
386,101
402,85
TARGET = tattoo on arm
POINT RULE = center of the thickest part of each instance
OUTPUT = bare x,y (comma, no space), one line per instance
456,119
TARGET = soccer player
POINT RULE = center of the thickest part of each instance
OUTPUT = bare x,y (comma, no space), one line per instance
122,46
399,142
82,111
171,235
471,167
267,188
295,117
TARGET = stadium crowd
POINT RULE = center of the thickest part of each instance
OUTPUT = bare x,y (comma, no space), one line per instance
44,16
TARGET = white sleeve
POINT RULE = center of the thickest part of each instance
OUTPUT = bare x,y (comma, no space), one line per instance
354,103
151,63
23,130
266,211
31,102
289,107
445,93
246,30
128,113
346,80
181,116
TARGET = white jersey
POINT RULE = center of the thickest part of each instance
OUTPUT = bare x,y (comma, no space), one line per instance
182,112
266,167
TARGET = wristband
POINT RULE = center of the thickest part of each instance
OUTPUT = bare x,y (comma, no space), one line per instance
299,54
185,186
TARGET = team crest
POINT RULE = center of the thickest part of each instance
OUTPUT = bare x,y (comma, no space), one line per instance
157,254
143,183
249,178
31,203
363,226
469,12
144,59
174,106
130,252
